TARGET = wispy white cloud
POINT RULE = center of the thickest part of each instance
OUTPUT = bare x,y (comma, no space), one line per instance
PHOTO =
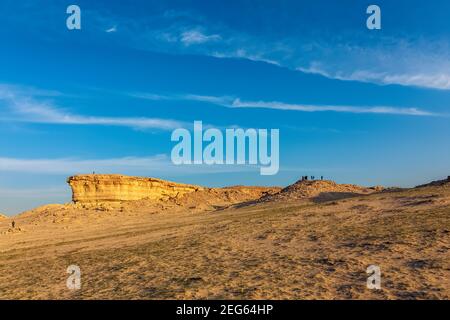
75,166
415,63
235,102
196,37
434,80
408,61
23,107
150,96
335,108
112,29
221,100
147,166
244,54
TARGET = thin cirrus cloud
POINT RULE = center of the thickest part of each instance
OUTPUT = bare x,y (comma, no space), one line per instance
196,37
74,166
234,102
413,61
395,59
161,164
315,108
24,107
112,29
438,80
409,67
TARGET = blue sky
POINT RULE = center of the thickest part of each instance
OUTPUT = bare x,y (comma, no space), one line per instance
352,104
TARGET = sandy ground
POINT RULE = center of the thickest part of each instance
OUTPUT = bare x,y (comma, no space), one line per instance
290,249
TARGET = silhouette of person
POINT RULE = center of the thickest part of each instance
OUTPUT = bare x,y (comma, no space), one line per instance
13,224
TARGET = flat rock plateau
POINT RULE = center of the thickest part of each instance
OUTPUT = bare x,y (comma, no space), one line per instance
145,238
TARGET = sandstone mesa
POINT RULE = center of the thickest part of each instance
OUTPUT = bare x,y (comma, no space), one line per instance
115,188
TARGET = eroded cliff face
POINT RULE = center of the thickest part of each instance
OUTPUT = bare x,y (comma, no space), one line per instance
95,188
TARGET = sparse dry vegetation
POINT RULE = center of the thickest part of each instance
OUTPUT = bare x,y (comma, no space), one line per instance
294,248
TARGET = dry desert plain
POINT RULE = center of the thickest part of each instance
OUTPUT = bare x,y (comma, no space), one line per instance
311,240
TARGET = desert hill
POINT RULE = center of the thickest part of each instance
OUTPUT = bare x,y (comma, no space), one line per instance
197,246
2,216
319,190
219,198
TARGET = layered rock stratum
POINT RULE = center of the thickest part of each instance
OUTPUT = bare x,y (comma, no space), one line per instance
112,192
115,188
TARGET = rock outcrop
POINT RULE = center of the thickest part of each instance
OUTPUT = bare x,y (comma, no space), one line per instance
96,188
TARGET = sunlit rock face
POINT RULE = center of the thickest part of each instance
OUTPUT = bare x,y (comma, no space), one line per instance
115,188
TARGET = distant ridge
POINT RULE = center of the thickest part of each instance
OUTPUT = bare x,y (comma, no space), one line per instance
436,183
